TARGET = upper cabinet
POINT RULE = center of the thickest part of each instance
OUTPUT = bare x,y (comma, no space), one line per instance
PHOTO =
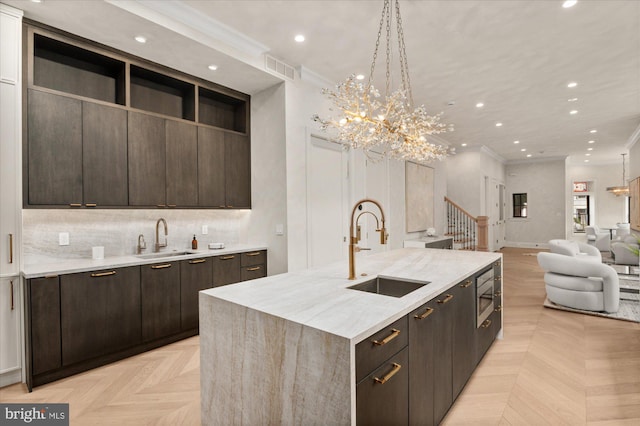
107,129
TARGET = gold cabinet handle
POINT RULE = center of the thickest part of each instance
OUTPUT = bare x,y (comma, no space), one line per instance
164,265
426,313
257,268
446,299
227,257
103,274
497,293
51,276
196,261
161,205
498,263
229,207
222,207
171,205
486,324
498,309
90,204
394,333
466,284
10,248
255,253
75,205
12,305
390,374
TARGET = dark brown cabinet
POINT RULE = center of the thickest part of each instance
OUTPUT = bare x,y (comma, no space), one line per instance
54,149
195,275
100,313
237,167
182,164
254,265
160,288
211,168
43,331
464,328
104,155
422,362
147,160
226,269
443,354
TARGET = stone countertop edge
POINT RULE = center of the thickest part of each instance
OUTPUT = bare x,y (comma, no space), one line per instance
319,297
71,266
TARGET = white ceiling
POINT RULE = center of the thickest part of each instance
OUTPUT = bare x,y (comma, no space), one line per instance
515,56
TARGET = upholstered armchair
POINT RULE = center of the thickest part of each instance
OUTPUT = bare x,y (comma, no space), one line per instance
600,239
575,249
580,284
623,250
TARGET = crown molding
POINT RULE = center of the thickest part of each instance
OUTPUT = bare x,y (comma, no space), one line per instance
481,148
536,160
17,13
312,77
633,139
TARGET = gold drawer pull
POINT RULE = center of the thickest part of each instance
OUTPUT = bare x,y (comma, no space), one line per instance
426,313
164,265
486,324
12,305
390,374
91,204
222,207
103,274
255,253
498,309
75,205
446,299
497,293
394,333
161,205
10,248
229,207
257,268
195,261
466,284
171,205
227,257
51,276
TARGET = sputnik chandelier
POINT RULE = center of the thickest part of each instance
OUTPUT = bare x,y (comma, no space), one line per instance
390,124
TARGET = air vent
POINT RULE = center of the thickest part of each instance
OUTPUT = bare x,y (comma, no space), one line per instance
280,68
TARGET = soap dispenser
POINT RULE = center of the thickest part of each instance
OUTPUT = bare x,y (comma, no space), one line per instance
194,243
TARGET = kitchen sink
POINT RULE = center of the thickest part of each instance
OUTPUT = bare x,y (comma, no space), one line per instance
389,286
162,255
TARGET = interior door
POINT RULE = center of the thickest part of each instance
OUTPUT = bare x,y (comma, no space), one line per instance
495,210
327,202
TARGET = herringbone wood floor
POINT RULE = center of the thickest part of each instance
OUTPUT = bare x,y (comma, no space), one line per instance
551,368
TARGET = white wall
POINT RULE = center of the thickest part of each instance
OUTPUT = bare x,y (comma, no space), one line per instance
543,182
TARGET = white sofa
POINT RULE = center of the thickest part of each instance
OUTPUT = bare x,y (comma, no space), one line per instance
580,284
598,238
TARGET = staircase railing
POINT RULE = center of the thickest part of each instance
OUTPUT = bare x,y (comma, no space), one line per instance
468,232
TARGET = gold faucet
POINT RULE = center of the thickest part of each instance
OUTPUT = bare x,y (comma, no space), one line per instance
158,245
355,237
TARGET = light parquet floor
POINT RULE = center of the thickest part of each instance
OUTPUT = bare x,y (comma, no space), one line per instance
551,368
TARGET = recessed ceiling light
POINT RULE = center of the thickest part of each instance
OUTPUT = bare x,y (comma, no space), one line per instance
528,155
360,76
569,3
498,124
516,142
589,149
572,99
36,1
140,39
299,38
592,141
479,105
523,149
213,67
572,84
573,112
464,144
586,161
593,131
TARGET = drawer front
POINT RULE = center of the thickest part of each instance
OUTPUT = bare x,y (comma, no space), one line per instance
382,398
253,272
252,258
226,269
377,348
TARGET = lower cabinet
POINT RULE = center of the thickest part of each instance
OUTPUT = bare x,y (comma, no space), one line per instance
443,354
195,275
10,319
253,264
43,330
422,323
464,328
160,287
99,313
226,269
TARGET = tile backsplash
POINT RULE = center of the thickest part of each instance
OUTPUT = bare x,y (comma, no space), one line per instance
118,230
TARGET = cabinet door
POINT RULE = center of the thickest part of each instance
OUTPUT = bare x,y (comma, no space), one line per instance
104,155
160,285
252,272
182,164
237,155
195,275
382,397
211,168
100,313
443,354
464,328
54,149
147,160
226,269
421,360
9,325
44,324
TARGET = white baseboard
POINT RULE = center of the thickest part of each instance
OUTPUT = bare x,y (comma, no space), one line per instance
515,244
10,377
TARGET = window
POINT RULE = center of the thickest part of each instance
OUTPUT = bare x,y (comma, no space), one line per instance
519,205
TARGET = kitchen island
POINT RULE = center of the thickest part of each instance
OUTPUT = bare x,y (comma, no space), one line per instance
283,349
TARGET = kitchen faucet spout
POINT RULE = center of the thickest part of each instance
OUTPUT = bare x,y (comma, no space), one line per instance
158,244
354,237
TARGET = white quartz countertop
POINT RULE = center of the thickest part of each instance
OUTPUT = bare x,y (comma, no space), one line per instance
70,266
319,297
